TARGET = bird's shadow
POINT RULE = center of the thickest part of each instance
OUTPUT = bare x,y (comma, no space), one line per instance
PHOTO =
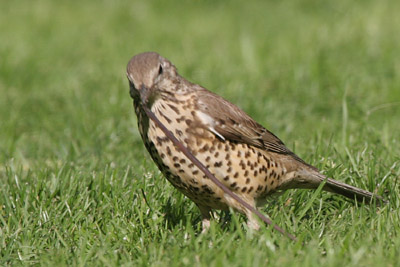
184,215
177,215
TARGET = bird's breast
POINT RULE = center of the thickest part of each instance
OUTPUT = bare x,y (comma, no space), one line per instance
245,169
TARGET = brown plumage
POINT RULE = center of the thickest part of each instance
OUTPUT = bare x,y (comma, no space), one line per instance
241,153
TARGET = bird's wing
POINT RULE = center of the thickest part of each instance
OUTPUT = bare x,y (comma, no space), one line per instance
230,122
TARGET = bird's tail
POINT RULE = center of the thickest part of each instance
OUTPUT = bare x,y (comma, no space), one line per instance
343,189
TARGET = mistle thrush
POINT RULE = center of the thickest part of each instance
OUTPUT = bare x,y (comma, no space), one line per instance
246,157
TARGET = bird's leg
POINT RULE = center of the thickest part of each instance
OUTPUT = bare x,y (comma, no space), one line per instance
252,220
206,216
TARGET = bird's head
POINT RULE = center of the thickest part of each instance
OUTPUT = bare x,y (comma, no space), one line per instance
145,71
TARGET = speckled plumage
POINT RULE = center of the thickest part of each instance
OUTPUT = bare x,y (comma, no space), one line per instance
241,153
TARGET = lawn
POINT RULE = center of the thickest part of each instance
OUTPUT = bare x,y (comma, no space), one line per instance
78,188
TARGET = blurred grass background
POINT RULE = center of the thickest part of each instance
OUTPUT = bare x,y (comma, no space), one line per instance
322,75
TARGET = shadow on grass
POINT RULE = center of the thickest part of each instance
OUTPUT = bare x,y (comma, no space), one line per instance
180,215
184,215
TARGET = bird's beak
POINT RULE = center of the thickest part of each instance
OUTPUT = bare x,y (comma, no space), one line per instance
144,94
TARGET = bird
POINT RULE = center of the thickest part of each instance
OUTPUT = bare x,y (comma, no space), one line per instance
243,155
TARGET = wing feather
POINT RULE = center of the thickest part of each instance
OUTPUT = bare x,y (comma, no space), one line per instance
234,124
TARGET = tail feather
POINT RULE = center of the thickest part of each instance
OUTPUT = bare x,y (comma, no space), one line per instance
352,192
314,179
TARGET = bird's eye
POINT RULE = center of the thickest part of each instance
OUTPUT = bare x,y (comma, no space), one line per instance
160,70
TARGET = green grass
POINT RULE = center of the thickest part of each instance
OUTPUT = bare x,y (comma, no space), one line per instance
78,188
